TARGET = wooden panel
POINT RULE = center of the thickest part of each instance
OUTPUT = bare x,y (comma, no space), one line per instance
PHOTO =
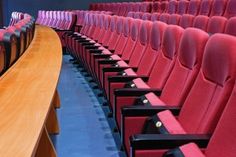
26,92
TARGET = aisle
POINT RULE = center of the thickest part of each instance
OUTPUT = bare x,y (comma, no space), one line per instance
85,131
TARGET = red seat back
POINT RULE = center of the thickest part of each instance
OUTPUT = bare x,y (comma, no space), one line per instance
216,24
168,47
212,88
182,7
186,67
186,21
230,10
230,26
205,7
201,22
193,7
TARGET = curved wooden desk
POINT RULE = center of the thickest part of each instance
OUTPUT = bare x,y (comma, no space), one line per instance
28,98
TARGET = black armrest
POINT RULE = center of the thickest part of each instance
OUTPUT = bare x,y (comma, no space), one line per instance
87,43
62,30
166,141
126,92
135,69
101,55
107,61
95,51
125,78
112,51
83,40
145,110
114,69
92,47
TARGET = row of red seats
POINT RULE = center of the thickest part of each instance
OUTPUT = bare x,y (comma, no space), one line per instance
16,17
63,20
122,9
194,7
80,16
166,85
15,39
197,7
214,24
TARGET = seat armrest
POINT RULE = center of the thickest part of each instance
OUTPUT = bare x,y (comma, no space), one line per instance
107,61
127,92
91,47
166,141
101,55
114,69
95,51
145,110
112,51
126,78
87,43
62,30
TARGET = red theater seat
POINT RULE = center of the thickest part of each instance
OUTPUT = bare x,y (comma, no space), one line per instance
179,81
218,7
155,16
230,26
163,6
222,142
216,24
156,7
166,49
182,7
193,7
230,10
174,19
147,16
205,7
208,96
186,21
164,17
172,6
201,22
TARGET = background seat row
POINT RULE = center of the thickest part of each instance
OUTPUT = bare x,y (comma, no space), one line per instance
15,39
194,7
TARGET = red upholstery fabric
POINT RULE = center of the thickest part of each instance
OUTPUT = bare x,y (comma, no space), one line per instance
146,16
191,150
182,7
186,21
218,7
156,7
155,16
172,7
230,26
193,7
154,100
174,19
170,122
230,10
186,67
166,59
201,22
212,87
224,135
218,21
205,7
164,17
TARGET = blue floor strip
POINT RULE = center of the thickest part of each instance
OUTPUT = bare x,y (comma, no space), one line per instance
85,130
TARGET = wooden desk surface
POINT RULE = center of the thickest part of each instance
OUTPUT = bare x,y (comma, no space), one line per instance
26,92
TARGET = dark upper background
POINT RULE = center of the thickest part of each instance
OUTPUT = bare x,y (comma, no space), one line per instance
32,6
